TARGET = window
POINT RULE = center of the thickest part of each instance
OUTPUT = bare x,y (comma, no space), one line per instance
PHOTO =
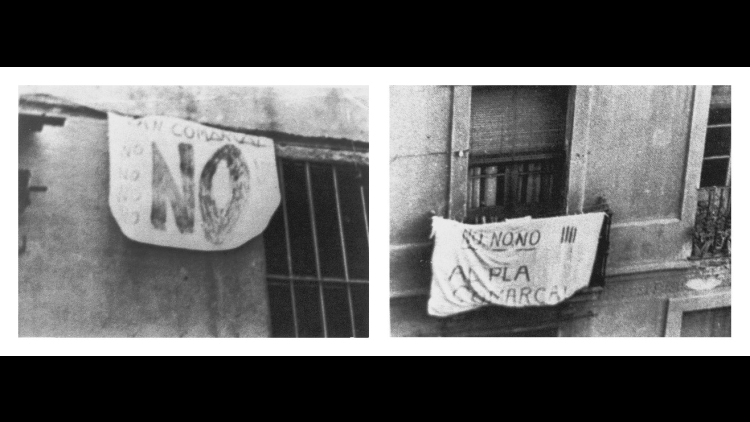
317,251
716,155
703,316
713,221
517,152
707,323
517,139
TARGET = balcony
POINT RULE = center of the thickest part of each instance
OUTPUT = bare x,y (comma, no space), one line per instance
712,236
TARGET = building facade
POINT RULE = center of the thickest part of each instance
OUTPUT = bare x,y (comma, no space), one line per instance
305,276
657,158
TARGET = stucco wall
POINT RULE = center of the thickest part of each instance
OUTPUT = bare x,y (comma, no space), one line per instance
636,142
630,145
420,141
334,112
80,276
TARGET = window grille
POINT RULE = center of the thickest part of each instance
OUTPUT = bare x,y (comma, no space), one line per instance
517,162
317,251
504,188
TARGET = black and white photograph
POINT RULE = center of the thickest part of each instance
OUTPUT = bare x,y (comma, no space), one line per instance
193,211
560,211
518,211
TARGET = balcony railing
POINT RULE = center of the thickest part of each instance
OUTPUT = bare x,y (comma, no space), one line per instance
712,236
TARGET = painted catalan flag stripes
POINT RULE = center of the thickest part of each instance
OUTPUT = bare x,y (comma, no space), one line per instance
568,234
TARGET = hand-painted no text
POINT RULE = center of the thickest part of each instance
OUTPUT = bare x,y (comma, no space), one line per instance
181,184
516,263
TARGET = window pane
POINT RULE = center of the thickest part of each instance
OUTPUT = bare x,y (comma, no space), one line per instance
721,96
718,141
718,116
707,323
326,221
353,217
300,228
337,310
361,298
276,262
309,316
714,172
280,304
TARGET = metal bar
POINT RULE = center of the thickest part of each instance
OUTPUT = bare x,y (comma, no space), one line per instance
719,125
729,173
288,246
506,187
308,179
343,248
313,279
495,159
490,189
470,188
520,173
717,157
364,212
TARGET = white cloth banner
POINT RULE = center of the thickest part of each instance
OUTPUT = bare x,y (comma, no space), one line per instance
516,263
181,184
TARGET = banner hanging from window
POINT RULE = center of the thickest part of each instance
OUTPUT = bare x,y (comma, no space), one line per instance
517,263
181,184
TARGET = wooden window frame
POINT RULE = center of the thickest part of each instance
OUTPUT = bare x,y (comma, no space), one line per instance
678,306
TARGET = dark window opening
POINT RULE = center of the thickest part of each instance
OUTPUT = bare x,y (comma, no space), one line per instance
317,251
717,153
707,323
517,155
518,158
712,236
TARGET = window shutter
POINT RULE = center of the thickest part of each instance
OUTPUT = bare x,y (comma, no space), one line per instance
507,120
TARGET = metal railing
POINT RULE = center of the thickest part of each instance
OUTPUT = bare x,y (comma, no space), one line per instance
500,189
712,235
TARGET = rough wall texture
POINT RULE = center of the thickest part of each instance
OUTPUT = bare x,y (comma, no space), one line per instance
420,141
80,276
334,112
636,141
639,151
635,305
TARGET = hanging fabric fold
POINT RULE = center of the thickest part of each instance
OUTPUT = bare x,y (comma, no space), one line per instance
517,263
